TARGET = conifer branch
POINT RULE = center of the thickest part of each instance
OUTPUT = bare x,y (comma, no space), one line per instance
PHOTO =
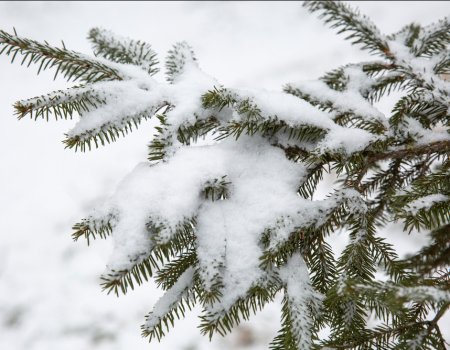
72,65
109,131
178,57
433,39
123,50
433,256
417,151
223,321
362,30
61,103
172,304
142,269
89,228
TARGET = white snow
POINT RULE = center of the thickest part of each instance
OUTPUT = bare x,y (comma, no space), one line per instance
263,188
348,101
125,101
140,52
426,202
346,140
170,299
141,95
421,293
423,136
292,110
303,300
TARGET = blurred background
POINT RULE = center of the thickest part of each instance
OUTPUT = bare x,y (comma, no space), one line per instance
50,296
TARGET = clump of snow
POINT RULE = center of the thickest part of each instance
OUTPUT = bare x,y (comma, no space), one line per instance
424,136
185,94
292,110
348,101
124,101
302,298
263,187
137,53
420,293
346,140
358,81
171,299
262,194
426,202
141,96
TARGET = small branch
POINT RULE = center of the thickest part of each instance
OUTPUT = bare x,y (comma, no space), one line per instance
441,337
412,152
441,313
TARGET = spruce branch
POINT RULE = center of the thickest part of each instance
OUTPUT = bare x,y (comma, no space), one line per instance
433,39
172,304
433,256
110,130
442,147
89,228
223,321
407,35
62,103
72,65
361,30
178,57
142,269
123,50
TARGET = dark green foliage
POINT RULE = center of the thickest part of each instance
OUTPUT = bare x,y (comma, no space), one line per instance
61,104
217,189
109,132
177,311
434,256
91,229
70,64
254,301
252,121
285,339
123,50
434,39
361,30
180,55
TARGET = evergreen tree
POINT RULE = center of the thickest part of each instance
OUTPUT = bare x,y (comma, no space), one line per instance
230,224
